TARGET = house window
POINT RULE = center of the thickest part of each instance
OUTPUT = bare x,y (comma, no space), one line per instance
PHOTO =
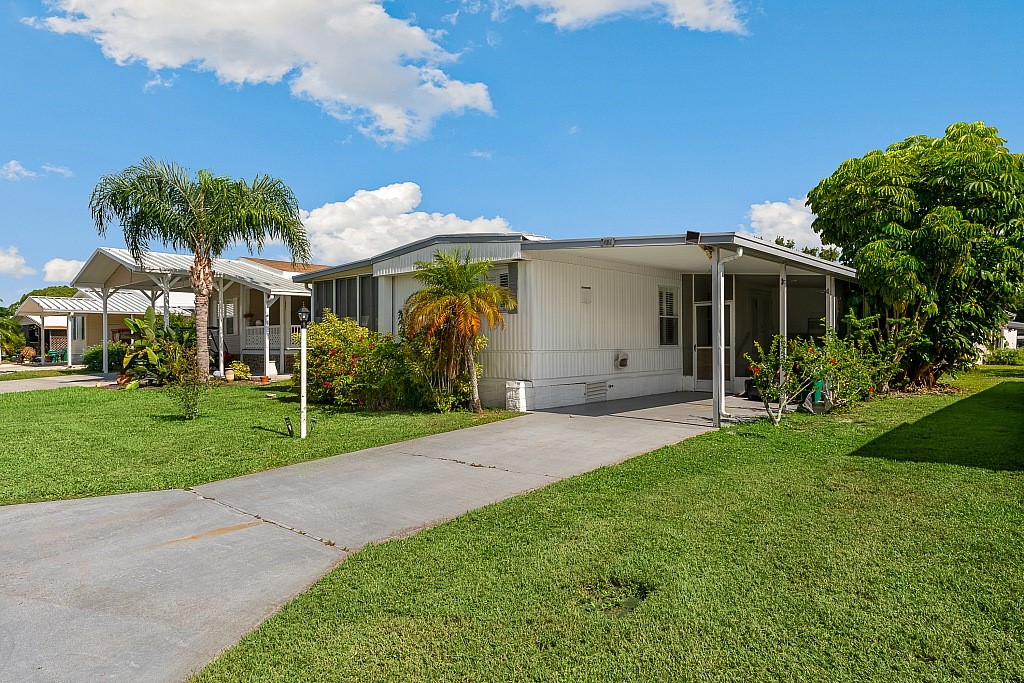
77,328
323,297
668,316
230,307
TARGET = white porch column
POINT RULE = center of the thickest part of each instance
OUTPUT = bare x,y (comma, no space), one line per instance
831,303
717,337
783,309
42,339
105,298
266,334
220,325
68,350
165,285
284,336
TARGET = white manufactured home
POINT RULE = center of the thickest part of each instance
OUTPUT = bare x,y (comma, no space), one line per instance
612,317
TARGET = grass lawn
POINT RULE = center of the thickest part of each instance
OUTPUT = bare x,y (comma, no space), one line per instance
30,374
82,441
883,544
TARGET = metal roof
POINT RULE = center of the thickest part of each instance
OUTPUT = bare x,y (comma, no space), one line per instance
251,274
123,302
461,238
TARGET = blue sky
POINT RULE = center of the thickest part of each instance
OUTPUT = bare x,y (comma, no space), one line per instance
546,116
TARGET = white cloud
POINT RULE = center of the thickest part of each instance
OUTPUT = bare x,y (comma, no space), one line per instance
349,56
480,154
158,81
13,170
700,15
12,263
791,220
58,170
372,221
61,270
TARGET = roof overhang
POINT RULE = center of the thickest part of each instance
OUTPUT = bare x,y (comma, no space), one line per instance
691,253
116,269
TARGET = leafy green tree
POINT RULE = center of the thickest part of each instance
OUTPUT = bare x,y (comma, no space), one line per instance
451,307
205,215
935,228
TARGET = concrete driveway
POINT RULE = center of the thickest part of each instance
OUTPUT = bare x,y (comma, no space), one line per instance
37,383
152,586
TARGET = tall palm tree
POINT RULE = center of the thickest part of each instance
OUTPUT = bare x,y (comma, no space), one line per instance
452,305
205,214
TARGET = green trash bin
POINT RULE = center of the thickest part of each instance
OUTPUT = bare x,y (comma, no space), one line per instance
819,386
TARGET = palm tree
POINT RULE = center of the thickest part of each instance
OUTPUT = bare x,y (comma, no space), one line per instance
451,306
11,338
205,214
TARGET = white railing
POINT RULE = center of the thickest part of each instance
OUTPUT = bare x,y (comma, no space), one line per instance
254,337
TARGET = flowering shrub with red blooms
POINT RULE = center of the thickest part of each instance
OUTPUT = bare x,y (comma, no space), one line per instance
847,369
354,366
781,379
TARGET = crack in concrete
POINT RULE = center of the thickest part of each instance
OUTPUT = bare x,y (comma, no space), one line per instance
281,525
476,464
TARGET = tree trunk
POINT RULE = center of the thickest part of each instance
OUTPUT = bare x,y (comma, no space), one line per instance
477,408
201,276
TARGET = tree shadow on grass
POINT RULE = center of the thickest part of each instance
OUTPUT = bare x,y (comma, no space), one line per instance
985,430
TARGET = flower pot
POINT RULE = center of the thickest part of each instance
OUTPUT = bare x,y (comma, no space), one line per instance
229,375
264,379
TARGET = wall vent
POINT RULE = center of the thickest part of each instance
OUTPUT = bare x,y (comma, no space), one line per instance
595,392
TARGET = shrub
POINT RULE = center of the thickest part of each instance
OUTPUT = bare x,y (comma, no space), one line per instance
188,385
28,353
157,355
431,381
1004,357
352,365
781,379
242,371
847,372
93,356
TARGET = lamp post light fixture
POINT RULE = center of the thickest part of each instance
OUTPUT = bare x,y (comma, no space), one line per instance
303,323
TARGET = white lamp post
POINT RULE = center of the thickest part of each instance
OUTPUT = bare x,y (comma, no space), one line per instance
303,322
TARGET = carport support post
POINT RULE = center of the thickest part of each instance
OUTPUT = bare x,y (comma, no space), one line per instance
68,350
166,286
42,339
831,314
783,310
105,298
717,337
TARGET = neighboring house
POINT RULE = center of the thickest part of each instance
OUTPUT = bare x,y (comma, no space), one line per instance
78,319
613,317
1013,335
253,313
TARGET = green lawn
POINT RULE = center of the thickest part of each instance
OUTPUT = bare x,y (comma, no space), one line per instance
82,441
883,544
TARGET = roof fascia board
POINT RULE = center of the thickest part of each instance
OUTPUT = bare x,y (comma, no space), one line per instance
774,252
470,238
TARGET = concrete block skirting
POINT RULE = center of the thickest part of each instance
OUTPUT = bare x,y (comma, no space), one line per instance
525,395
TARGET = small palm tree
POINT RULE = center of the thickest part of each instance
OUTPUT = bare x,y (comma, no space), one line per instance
205,214
451,308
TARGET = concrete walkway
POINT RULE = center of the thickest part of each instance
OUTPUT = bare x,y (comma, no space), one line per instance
37,383
152,586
